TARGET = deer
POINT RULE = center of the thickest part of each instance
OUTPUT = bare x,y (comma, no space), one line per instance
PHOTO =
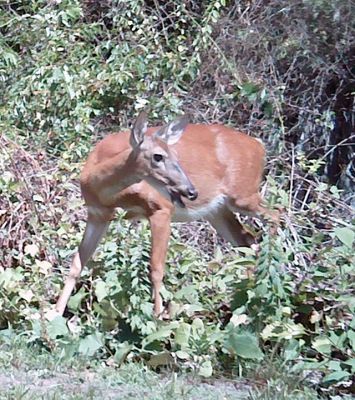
224,169
117,163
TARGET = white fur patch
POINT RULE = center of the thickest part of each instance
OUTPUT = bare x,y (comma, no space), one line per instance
194,213
221,152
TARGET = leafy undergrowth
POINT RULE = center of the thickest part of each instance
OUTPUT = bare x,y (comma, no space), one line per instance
68,70
233,314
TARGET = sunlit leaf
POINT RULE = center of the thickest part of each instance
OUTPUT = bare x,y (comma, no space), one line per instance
75,300
206,369
336,376
322,344
44,266
161,334
345,235
183,355
31,249
90,344
122,352
57,327
182,334
26,294
101,290
244,345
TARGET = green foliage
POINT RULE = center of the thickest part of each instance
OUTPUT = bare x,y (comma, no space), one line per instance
281,309
71,68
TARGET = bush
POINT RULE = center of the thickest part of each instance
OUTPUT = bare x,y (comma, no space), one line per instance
70,69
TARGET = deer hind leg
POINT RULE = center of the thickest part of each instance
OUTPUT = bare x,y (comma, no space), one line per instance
94,231
227,225
160,228
253,205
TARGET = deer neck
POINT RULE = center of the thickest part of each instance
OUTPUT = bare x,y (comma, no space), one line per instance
111,176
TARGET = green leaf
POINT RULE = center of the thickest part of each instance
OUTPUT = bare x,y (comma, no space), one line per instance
292,350
336,376
57,327
161,334
244,345
182,334
345,235
183,355
249,88
108,324
122,352
76,300
338,340
101,290
198,327
334,365
282,330
206,369
351,363
10,277
90,344
351,337
186,292
322,344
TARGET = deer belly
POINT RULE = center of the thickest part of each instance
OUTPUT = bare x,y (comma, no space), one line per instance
194,212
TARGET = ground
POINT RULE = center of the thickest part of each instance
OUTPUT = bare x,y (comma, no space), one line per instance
30,374
37,384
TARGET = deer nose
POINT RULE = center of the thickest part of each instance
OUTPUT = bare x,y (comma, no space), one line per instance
192,194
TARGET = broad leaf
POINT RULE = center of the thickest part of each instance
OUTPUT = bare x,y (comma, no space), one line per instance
182,334
351,363
345,235
90,344
322,344
31,249
336,376
205,369
57,327
161,334
75,300
183,355
244,345
122,352
351,337
101,290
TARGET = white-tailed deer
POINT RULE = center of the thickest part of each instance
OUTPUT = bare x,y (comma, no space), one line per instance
224,166
120,161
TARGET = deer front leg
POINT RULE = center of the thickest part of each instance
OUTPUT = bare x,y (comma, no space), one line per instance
94,231
160,228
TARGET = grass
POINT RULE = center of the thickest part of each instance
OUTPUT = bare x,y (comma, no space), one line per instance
31,372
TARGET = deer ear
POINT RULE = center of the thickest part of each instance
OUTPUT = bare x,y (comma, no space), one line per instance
172,132
139,129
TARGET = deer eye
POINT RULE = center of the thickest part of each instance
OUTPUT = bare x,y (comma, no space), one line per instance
157,157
